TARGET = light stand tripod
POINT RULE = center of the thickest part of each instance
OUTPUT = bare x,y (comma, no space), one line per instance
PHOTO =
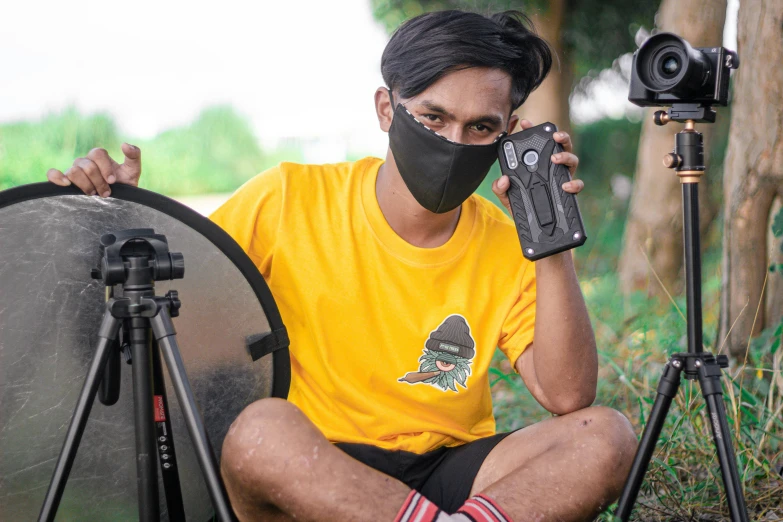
688,161
136,259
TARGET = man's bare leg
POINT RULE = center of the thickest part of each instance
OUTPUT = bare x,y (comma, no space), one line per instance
278,466
561,469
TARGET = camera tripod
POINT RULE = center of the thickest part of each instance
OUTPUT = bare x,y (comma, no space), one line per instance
136,259
688,161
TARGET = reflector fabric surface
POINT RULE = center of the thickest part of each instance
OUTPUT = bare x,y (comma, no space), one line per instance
50,311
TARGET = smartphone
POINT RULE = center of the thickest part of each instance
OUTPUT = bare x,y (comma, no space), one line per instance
547,218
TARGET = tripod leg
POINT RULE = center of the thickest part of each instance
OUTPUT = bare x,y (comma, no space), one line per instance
709,379
167,341
667,390
146,452
106,335
168,456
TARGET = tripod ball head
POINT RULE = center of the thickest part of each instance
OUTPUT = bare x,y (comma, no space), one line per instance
137,256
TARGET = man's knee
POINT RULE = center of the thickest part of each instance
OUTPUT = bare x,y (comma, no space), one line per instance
609,437
257,450
260,440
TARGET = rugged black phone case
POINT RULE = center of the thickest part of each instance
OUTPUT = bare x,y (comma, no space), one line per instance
547,217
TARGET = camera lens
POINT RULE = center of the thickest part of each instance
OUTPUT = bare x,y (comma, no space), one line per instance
671,65
666,63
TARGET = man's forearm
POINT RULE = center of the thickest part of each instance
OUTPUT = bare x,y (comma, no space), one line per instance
565,355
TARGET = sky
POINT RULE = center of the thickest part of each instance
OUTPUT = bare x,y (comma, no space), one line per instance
304,70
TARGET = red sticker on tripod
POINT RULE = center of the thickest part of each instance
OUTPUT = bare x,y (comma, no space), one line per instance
160,411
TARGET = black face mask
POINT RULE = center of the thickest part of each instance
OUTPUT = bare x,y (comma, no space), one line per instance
440,173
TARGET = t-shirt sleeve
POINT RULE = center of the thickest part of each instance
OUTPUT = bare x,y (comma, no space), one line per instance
252,217
517,331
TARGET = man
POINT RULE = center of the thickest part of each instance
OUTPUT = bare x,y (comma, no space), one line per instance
396,284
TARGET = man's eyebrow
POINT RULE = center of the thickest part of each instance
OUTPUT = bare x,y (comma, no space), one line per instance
434,107
488,118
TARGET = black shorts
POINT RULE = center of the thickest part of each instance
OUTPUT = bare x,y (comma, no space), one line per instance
444,475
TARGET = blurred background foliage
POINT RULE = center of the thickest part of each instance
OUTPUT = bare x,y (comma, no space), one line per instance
216,153
635,331
616,21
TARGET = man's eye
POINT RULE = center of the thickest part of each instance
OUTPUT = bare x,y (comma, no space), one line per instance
431,117
481,128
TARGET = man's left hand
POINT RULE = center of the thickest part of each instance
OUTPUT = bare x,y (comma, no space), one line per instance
567,157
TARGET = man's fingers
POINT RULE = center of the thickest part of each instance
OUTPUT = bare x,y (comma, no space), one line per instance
500,188
500,185
568,159
574,186
565,140
80,179
105,164
525,124
90,168
132,158
57,177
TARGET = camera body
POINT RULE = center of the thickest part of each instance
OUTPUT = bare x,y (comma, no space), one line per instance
666,70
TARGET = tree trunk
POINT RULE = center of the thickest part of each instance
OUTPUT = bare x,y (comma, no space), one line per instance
550,101
773,294
753,174
654,227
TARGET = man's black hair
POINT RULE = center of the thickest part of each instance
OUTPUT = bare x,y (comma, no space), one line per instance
429,46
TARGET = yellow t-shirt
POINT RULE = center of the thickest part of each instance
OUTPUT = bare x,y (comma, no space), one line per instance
390,343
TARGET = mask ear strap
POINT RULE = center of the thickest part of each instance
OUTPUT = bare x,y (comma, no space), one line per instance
391,98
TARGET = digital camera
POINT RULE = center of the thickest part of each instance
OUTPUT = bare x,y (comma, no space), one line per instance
666,70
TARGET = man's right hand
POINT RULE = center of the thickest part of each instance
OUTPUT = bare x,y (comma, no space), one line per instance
97,171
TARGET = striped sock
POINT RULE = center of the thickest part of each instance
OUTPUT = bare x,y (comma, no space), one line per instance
481,508
417,508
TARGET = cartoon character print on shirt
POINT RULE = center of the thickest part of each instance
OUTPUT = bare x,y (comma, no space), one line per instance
448,352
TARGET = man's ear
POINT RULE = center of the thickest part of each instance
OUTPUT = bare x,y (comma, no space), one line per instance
383,108
512,122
